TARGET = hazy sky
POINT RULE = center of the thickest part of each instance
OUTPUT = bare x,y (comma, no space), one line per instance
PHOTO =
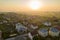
21,5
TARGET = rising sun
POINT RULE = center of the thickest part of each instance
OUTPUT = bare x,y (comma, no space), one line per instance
35,5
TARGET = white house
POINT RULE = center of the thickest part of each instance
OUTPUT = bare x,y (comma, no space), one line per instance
53,32
58,27
20,27
32,34
47,23
43,32
33,26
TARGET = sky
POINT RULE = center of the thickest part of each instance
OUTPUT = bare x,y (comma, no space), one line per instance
21,5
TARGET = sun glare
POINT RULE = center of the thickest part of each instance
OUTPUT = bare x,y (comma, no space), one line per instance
35,5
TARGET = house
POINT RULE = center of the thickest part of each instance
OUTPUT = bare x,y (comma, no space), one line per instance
33,26
32,34
43,32
20,37
25,23
20,27
53,32
11,35
58,27
1,22
1,35
5,21
10,38
47,23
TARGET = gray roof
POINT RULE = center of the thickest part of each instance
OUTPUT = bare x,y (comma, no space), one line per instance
43,30
20,37
53,30
10,38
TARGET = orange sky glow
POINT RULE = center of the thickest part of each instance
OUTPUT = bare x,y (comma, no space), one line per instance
21,5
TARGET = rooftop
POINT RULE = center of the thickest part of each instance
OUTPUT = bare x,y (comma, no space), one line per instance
53,29
43,30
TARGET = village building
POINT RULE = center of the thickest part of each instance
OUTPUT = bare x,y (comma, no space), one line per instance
43,32
10,38
47,23
20,37
34,26
20,28
1,22
58,27
5,21
53,32
32,34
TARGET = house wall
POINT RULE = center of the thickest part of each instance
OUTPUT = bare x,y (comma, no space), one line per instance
30,36
53,33
43,34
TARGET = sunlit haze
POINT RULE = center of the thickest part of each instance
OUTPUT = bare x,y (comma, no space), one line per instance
29,5
34,5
